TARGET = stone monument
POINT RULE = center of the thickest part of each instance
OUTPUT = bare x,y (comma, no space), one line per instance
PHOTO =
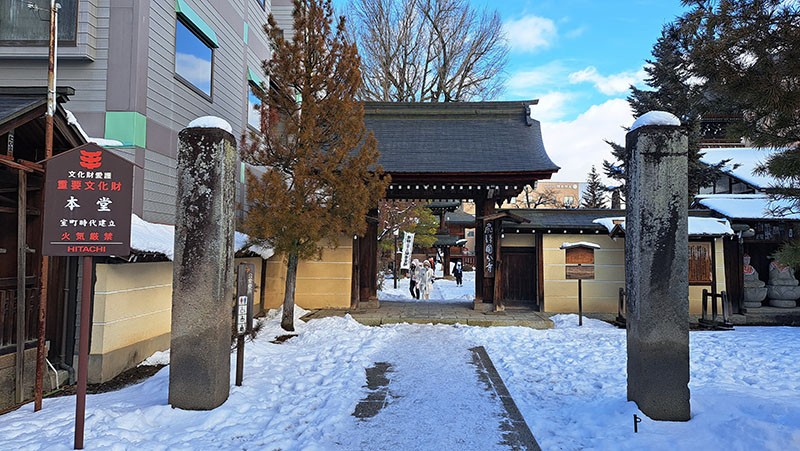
754,290
656,270
782,286
202,284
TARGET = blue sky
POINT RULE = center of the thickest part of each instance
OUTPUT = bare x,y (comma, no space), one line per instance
578,57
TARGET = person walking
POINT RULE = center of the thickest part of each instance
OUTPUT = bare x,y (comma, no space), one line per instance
412,272
425,280
458,273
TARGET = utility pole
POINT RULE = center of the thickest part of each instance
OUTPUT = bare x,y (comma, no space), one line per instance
48,152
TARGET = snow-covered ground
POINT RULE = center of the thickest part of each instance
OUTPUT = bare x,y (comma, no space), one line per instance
444,290
569,383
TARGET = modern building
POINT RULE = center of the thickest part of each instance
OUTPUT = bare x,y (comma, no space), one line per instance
142,71
135,74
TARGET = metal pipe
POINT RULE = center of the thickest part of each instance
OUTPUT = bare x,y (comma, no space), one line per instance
62,364
48,152
83,353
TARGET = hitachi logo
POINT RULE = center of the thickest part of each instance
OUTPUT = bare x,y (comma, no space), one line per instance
86,249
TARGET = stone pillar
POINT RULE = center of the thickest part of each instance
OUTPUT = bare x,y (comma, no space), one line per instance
656,268
202,286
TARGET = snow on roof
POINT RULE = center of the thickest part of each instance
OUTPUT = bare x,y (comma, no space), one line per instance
697,226
211,122
747,158
745,206
655,118
72,120
160,238
566,245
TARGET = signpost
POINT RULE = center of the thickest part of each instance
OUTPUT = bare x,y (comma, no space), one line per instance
580,265
243,313
87,213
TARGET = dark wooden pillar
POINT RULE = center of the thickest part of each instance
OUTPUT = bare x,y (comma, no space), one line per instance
498,267
446,262
368,262
734,279
355,283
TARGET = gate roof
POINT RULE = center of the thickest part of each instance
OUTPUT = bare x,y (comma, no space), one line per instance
458,150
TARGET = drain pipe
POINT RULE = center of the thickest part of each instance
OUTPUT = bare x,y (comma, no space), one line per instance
62,365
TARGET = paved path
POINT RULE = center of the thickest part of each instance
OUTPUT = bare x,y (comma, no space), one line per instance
393,312
433,381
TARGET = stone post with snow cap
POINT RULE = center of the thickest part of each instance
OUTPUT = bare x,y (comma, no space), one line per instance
202,285
656,267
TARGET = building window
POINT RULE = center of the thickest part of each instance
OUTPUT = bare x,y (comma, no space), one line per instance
255,86
20,25
193,59
700,263
263,4
254,108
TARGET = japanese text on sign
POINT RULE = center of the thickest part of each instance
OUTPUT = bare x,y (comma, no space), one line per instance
87,203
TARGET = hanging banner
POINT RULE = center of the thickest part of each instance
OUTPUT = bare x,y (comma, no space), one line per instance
489,250
408,247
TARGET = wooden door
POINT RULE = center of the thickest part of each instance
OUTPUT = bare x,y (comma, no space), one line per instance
519,276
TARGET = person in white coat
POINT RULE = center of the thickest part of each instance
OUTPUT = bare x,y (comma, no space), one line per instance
425,280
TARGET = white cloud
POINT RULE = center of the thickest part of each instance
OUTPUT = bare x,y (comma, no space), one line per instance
537,79
552,106
575,33
577,145
195,70
608,84
530,33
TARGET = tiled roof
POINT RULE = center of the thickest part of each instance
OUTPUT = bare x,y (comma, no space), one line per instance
471,137
459,217
562,218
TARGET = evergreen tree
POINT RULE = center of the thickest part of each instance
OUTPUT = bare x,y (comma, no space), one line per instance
594,196
404,216
746,55
320,176
672,88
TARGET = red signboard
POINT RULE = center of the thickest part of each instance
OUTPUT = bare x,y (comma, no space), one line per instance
87,204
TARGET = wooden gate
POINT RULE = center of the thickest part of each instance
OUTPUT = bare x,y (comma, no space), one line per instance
519,276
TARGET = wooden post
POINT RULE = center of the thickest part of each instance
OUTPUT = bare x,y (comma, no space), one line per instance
22,210
83,350
499,269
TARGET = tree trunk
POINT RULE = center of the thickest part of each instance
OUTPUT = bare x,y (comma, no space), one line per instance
287,320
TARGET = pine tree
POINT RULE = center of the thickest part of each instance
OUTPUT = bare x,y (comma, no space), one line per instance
746,54
672,88
320,175
594,196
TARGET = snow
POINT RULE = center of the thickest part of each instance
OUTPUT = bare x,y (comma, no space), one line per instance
211,122
444,291
105,142
697,226
72,120
566,245
745,206
655,118
160,238
568,382
745,159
